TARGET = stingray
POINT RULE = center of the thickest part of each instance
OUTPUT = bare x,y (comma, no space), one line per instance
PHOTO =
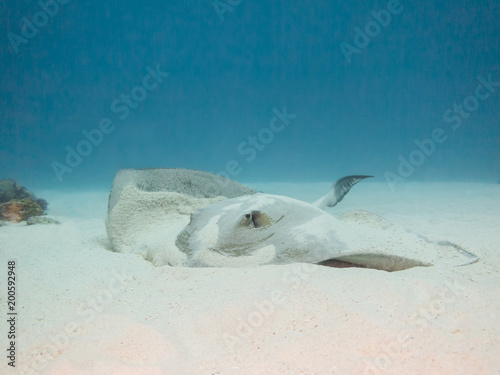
259,229
183,217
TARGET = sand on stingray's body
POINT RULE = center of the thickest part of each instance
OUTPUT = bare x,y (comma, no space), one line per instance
147,208
195,183
147,223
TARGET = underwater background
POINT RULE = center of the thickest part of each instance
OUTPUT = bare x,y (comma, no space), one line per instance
254,90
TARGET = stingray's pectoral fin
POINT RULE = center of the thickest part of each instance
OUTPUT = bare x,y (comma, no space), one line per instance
382,262
467,257
338,191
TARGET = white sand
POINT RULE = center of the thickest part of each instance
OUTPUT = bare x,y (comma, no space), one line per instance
86,310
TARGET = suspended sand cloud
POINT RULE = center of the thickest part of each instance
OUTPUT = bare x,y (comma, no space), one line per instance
182,217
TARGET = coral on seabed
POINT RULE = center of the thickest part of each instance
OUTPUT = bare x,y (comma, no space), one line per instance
11,212
9,190
17,203
18,210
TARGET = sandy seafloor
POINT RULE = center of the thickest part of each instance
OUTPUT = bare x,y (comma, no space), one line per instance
83,309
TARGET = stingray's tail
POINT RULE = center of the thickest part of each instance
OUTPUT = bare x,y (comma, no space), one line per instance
338,191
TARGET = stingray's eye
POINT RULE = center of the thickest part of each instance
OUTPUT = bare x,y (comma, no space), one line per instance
255,219
260,219
246,221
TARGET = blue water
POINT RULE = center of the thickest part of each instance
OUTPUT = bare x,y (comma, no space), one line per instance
323,89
